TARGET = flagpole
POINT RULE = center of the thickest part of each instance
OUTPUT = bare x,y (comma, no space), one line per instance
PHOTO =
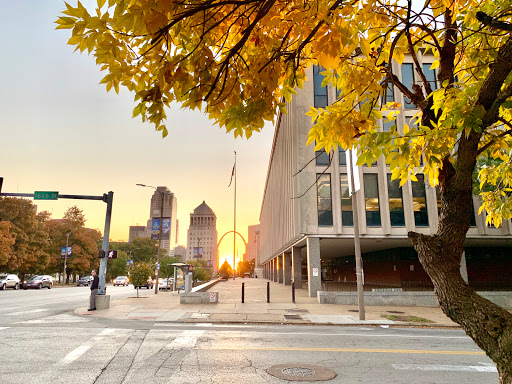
234,227
357,243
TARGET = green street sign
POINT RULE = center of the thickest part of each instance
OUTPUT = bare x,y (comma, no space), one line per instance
41,195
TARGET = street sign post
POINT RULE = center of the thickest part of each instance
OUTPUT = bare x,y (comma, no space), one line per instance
43,195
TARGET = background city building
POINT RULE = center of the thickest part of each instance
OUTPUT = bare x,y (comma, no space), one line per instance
136,231
251,252
179,251
306,219
202,234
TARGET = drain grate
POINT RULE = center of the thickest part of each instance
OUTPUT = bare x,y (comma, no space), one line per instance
297,310
301,372
353,310
397,312
292,317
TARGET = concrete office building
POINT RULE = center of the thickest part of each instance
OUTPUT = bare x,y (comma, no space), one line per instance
251,249
170,210
138,231
202,235
306,219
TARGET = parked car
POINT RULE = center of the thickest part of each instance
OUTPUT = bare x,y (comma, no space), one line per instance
38,282
165,284
85,281
149,284
9,281
121,280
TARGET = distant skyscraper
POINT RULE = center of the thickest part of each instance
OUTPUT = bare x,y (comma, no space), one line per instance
138,231
202,234
169,211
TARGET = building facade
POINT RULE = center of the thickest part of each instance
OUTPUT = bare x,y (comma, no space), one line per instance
251,249
170,211
140,231
306,219
202,235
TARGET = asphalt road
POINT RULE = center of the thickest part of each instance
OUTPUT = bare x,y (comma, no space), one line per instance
58,346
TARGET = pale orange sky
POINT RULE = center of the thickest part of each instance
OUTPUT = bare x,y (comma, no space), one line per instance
62,132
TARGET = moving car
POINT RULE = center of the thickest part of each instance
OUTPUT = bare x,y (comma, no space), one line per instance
121,280
165,284
9,281
85,281
38,282
148,285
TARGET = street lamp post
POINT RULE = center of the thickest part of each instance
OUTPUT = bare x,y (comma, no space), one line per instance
159,232
198,245
65,259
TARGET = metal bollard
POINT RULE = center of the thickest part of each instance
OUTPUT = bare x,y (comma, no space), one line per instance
243,292
268,291
293,291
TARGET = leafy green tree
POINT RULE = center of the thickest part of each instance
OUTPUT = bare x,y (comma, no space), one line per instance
225,270
237,60
140,274
201,271
28,229
143,250
7,241
118,267
165,269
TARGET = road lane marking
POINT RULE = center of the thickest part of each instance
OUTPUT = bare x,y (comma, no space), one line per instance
4,328
187,339
363,350
26,312
80,350
445,368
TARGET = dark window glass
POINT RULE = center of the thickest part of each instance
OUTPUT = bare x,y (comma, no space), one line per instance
408,81
342,156
320,92
472,217
390,96
322,158
324,203
419,202
396,204
430,74
347,216
371,200
386,125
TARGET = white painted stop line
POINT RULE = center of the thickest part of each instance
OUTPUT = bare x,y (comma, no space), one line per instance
79,351
3,328
187,339
446,368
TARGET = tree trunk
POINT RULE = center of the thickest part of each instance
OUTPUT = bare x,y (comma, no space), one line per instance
489,325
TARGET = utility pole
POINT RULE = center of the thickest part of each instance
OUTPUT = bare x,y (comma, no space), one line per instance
234,228
65,258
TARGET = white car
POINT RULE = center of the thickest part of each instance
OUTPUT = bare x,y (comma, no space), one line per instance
9,281
165,284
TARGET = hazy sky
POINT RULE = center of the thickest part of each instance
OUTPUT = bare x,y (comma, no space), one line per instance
61,131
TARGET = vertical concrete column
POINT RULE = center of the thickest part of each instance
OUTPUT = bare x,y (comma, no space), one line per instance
287,268
464,268
280,269
274,269
296,267
314,269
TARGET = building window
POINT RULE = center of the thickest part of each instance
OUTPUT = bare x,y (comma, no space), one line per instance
430,75
396,204
320,93
342,156
347,215
322,158
419,202
388,125
408,81
371,200
324,202
390,97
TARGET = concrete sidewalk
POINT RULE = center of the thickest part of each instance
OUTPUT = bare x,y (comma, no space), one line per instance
166,307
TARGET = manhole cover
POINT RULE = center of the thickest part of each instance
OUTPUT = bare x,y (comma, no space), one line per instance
292,317
395,312
301,372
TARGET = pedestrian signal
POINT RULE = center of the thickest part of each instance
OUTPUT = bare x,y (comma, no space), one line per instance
112,254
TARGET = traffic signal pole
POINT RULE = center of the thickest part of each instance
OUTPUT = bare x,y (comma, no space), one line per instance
103,261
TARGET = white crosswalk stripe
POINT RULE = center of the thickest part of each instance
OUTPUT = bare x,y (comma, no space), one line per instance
25,312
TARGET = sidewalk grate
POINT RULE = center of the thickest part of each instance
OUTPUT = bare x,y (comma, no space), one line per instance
292,317
294,310
397,312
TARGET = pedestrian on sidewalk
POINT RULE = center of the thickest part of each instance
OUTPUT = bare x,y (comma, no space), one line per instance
94,291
